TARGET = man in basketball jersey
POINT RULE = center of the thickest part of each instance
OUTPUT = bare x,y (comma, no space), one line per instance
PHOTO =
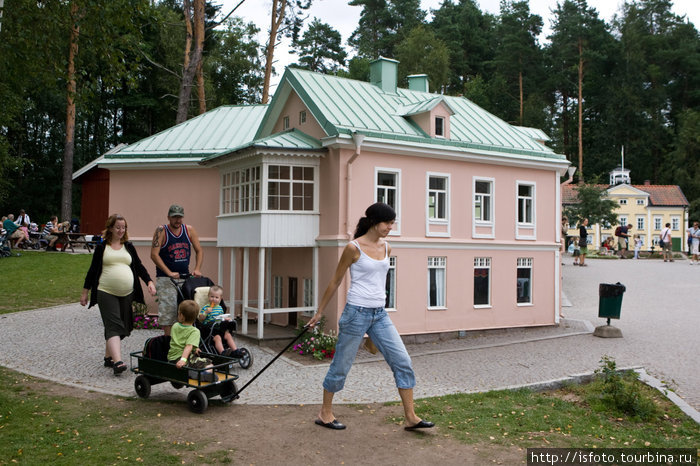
171,250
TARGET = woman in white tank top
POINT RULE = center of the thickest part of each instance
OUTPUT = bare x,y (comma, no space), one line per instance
367,257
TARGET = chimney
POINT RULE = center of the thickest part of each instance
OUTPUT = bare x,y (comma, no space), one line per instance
383,72
418,82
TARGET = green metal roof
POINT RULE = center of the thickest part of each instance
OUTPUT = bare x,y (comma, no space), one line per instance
210,133
534,133
291,139
342,106
422,107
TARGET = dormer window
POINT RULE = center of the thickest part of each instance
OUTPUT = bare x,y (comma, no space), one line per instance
285,122
302,117
439,127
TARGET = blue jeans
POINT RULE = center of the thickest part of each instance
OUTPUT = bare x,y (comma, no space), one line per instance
354,323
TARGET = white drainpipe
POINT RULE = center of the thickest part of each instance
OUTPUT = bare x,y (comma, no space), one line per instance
357,138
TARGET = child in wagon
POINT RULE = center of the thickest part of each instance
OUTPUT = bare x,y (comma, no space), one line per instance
184,342
210,315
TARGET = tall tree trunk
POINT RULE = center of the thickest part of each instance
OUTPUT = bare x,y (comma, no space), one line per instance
69,148
522,104
565,122
200,90
195,32
2,5
277,17
580,111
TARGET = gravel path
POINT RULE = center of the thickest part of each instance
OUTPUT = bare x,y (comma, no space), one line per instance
659,326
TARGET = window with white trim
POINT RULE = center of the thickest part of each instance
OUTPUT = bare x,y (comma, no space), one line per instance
440,127
437,274
290,188
675,223
437,198
302,117
524,280
623,201
240,191
482,281
308,292
526,204
277,292
622,220
657,222
640,201
391,285
640,222
483,200
388,188
285,122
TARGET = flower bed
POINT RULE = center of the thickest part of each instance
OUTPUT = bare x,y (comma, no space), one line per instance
316,343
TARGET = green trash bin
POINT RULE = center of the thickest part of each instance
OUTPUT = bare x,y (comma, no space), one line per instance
610,300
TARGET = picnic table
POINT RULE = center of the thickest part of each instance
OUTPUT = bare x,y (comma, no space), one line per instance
72,240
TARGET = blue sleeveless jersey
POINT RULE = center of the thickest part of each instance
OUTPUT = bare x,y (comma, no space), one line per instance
175,252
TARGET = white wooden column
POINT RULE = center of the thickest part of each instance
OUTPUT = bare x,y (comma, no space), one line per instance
314,275
261,291
232,282
220,269
244,313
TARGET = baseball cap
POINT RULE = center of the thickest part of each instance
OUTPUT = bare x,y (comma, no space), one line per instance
176,211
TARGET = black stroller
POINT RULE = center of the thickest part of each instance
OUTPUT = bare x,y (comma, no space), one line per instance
191,289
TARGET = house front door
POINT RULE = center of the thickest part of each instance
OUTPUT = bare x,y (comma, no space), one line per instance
292,299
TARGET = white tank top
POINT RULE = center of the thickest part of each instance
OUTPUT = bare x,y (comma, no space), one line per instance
368,280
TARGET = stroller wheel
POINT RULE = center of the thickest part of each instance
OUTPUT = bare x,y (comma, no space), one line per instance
198,401
246,359
142,386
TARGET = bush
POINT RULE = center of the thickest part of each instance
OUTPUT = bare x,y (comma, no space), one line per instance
316,343
621,393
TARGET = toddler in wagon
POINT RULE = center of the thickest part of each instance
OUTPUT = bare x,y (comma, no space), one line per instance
184,342
210,315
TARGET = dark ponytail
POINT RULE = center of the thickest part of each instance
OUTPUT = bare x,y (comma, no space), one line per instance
376,213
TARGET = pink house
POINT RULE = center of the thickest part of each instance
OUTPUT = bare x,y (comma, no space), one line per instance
275,192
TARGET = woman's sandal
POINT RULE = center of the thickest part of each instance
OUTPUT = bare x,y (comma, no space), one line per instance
109,362
119,367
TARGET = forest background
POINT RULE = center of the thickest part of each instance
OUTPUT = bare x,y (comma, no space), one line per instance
79,77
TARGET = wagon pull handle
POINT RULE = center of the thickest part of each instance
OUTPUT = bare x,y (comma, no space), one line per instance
306,328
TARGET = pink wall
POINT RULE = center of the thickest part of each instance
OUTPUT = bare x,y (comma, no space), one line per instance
144,196
291,109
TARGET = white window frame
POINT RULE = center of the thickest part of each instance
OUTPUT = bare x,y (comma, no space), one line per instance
658,222
396,230
623,201
483,263
238,196
442,133
302,117
491,223
640,202
622,220
391,281
291,182
285,122
641,223
446,192
525,263
308,296
438,263
675,223
277,291
532,225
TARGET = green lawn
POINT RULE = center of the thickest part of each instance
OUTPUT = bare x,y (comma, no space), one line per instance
41,279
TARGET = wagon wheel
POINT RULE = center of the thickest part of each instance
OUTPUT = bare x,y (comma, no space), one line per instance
229,391
246,359
142,386
198,401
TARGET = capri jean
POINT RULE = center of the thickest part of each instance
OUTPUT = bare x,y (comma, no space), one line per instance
354,323
116,314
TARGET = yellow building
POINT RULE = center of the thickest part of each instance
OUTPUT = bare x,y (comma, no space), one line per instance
648,208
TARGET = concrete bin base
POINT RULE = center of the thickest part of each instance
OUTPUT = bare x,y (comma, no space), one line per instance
607,331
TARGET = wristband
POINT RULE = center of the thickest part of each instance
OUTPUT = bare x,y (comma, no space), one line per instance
183,359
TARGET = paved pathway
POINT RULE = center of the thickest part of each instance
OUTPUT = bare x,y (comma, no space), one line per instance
659,321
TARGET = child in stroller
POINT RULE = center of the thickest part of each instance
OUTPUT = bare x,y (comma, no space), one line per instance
212,314
197,288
